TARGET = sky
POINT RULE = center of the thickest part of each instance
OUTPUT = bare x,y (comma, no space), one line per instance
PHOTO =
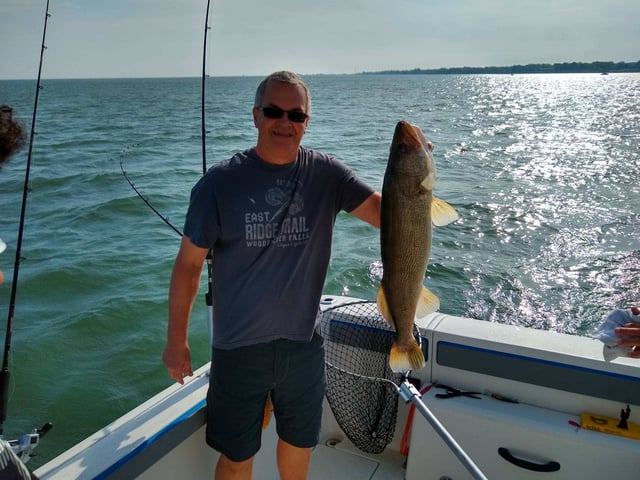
164,38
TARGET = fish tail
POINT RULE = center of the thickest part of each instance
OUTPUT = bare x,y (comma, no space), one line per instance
403,359
268,408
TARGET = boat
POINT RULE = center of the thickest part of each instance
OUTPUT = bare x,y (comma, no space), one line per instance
493,401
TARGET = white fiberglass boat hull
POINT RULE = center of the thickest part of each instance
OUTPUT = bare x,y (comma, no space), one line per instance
555,378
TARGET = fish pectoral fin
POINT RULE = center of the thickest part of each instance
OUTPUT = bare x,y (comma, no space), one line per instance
427,303
429,182
383,307
402,359
442,213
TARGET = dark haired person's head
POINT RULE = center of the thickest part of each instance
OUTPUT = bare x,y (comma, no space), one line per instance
11,134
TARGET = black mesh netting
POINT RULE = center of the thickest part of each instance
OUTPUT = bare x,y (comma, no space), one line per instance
359,389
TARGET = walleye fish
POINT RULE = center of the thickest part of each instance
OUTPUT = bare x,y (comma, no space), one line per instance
408,211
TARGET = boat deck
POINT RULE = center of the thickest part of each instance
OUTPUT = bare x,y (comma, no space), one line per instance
345,462
337,461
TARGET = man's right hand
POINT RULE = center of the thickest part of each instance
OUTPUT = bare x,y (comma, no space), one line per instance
178,362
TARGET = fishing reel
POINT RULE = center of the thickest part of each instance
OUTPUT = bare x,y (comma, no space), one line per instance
24,446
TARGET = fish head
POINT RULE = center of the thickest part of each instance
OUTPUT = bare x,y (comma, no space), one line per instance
410,157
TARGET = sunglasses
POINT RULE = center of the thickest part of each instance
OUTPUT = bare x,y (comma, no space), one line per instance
276,112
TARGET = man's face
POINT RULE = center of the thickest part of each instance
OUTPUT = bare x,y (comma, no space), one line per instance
279,138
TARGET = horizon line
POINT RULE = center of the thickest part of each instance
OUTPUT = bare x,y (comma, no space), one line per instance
438,70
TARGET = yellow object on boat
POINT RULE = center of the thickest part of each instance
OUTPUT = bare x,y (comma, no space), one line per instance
609,425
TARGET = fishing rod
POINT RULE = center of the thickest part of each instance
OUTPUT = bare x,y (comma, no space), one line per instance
5,374
203,96
164,219
209,295
203,126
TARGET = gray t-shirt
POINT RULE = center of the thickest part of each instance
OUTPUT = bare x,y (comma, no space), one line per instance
270,228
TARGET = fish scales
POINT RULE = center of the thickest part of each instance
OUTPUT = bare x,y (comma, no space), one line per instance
405,241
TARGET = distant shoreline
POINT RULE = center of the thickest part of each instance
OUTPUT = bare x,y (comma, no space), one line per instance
567,67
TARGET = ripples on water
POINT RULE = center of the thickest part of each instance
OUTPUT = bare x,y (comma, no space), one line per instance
543,170
562,199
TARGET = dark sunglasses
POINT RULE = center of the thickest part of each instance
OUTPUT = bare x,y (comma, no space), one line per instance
276,112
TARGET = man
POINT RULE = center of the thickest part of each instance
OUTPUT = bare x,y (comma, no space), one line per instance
267,214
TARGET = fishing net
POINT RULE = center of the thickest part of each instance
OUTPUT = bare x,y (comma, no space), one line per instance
361,388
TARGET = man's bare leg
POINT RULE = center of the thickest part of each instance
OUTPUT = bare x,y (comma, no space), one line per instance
293,462
230,470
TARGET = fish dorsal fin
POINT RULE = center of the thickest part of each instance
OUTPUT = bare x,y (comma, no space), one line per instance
429,182
442,213
427,303
383,307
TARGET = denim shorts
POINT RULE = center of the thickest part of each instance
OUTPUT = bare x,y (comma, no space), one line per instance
292,372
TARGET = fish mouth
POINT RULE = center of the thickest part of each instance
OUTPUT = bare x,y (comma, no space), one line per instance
406,135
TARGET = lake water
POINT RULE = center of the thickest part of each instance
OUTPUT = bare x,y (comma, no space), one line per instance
543,169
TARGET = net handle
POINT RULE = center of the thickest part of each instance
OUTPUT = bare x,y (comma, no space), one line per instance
409,394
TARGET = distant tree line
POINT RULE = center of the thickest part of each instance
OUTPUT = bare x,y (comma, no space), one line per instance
567,67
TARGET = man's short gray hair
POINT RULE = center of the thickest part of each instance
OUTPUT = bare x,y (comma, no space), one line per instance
283,77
